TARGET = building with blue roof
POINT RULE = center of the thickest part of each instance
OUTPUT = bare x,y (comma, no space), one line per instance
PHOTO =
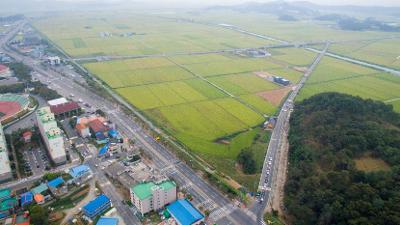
26,198
55,183
185,213
97,206
107,221
113,134
103,150
5,194
80,174
39,189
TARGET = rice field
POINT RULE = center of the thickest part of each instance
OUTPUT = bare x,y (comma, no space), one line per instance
297,31
198,111
82,34
381,52
202,98
337,76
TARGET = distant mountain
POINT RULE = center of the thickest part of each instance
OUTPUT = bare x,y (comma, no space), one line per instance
309,9
275,7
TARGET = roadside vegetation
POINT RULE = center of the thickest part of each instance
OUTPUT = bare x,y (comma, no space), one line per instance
329,134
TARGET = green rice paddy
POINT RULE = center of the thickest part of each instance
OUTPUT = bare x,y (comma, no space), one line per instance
333,75
200,99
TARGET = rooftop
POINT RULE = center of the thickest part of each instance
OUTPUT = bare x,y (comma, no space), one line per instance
54,132
57,101
96,203
184,212
79,170
8,204
55,182
38,198
5,193
88,119
39,189
22,219
64,107
107,221
3,68
4,163
43,111
145,190
80,126
26,198
97,126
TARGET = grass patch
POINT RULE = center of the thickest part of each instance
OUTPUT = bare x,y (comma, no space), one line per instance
368,163
272,219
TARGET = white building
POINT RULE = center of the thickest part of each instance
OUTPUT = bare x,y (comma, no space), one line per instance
51,135
5,169
54,60
57,101
151,196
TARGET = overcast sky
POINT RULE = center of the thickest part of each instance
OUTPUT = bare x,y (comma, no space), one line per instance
326,2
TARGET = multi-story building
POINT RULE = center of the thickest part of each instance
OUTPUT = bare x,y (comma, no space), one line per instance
51,135
151,196
5,169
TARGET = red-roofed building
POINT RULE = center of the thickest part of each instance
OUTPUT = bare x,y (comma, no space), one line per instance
4,71
97,126
66,109
21,219
83,130
26,136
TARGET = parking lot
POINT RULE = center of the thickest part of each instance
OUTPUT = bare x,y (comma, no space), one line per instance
36,161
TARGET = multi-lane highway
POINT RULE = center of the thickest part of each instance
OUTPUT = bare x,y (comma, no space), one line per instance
279,134
222,210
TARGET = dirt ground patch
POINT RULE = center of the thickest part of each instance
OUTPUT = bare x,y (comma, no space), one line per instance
275,96
300,69
55,216
264,74
233,183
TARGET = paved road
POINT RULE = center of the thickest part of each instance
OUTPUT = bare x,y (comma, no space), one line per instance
359,62
163,158
279,134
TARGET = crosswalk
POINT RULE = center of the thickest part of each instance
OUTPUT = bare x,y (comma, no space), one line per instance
250,214
222,212
208,205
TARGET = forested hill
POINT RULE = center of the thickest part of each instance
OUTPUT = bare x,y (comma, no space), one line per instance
329,132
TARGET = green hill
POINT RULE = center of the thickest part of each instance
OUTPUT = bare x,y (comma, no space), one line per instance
329,133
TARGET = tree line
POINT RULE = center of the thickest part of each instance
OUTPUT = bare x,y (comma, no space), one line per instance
328,131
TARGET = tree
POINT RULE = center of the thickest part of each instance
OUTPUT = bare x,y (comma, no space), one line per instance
245,159
327,132
21,71
38,215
